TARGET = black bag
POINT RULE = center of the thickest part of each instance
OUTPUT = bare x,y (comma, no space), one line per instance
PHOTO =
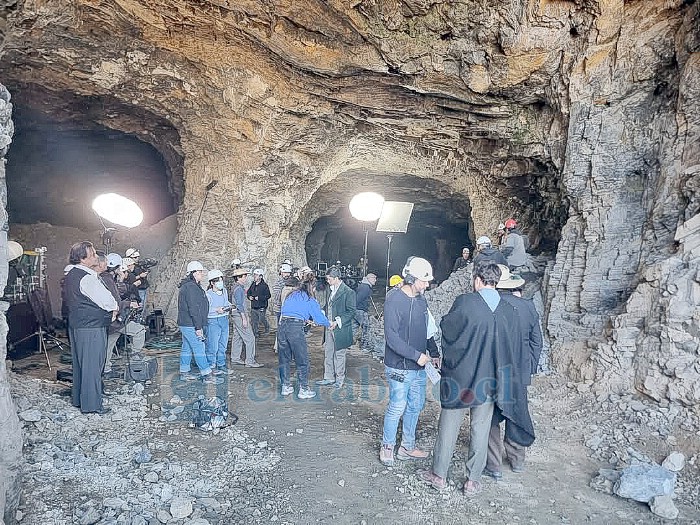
211,414
140,370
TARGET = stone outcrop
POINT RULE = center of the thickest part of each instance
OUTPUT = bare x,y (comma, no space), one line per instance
10,436
579,118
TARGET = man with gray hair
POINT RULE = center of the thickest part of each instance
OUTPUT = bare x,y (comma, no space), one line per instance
91,308
340,311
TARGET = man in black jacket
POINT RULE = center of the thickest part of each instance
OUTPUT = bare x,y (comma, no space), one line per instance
462,261
478,373
259,295
486,253
405,356
510,288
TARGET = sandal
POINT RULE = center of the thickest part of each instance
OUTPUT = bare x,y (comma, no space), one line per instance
432,479
471,488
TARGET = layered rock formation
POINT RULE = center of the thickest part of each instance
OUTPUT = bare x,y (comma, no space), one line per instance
579,118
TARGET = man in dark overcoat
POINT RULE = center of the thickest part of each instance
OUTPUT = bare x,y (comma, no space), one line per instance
478,374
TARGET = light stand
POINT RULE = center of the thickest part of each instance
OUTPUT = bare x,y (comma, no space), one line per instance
366,207
365,227
394,219
389,237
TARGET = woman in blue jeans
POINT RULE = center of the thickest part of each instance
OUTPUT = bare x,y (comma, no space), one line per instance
299,306
217,331
191,319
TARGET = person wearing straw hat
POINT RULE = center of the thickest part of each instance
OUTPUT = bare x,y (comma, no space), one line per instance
242,331
510,287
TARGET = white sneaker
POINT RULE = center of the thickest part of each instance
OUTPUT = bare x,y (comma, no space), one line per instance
306,393
287,389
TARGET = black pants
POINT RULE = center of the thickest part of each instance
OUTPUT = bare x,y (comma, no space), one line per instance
88,346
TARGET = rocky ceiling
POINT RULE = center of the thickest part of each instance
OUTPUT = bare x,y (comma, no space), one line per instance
580,118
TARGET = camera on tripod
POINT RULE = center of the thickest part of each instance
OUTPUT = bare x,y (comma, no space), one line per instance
147,263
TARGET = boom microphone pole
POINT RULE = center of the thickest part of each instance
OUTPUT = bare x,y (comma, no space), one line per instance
208,188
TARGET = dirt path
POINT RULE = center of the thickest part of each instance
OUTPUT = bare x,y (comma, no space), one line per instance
297,462
330,469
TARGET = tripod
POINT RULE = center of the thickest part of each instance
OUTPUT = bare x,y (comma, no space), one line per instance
42,336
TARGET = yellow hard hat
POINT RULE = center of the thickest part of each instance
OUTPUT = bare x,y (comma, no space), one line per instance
394,280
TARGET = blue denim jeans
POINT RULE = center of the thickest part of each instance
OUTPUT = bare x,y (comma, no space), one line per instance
191,345
217,341
291,342
405,399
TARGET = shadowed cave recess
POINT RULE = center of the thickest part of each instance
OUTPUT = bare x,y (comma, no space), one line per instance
245,128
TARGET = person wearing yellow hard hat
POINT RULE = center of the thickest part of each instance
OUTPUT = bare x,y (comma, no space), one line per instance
395,281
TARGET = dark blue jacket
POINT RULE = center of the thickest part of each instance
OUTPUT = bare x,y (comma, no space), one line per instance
405,329
362,295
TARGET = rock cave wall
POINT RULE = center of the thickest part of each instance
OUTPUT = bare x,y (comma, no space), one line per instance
580,119
10,436
625,283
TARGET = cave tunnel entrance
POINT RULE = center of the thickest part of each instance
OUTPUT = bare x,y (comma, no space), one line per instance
439,227
54,172
67,150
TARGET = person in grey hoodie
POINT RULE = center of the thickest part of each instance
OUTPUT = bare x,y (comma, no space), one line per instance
514,247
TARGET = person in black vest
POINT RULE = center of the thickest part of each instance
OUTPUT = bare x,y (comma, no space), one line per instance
91,308
259,295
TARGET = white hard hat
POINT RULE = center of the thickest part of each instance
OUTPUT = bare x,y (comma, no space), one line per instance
236,262
14,250
303,271
213,274
287,261
501,226
132,252
483,240
114,260
258,271
128,261
418,268
286,268
67,269
194,266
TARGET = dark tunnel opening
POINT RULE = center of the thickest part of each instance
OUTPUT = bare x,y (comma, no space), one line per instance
54,172
431,234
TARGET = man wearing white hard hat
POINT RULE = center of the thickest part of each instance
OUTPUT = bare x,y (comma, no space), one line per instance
140,275
193,308
485,252
109,269
405,357
285,271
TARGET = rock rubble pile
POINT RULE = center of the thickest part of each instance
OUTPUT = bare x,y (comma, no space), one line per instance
132,467
625,425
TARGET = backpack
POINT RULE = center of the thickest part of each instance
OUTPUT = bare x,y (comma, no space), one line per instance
211,414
